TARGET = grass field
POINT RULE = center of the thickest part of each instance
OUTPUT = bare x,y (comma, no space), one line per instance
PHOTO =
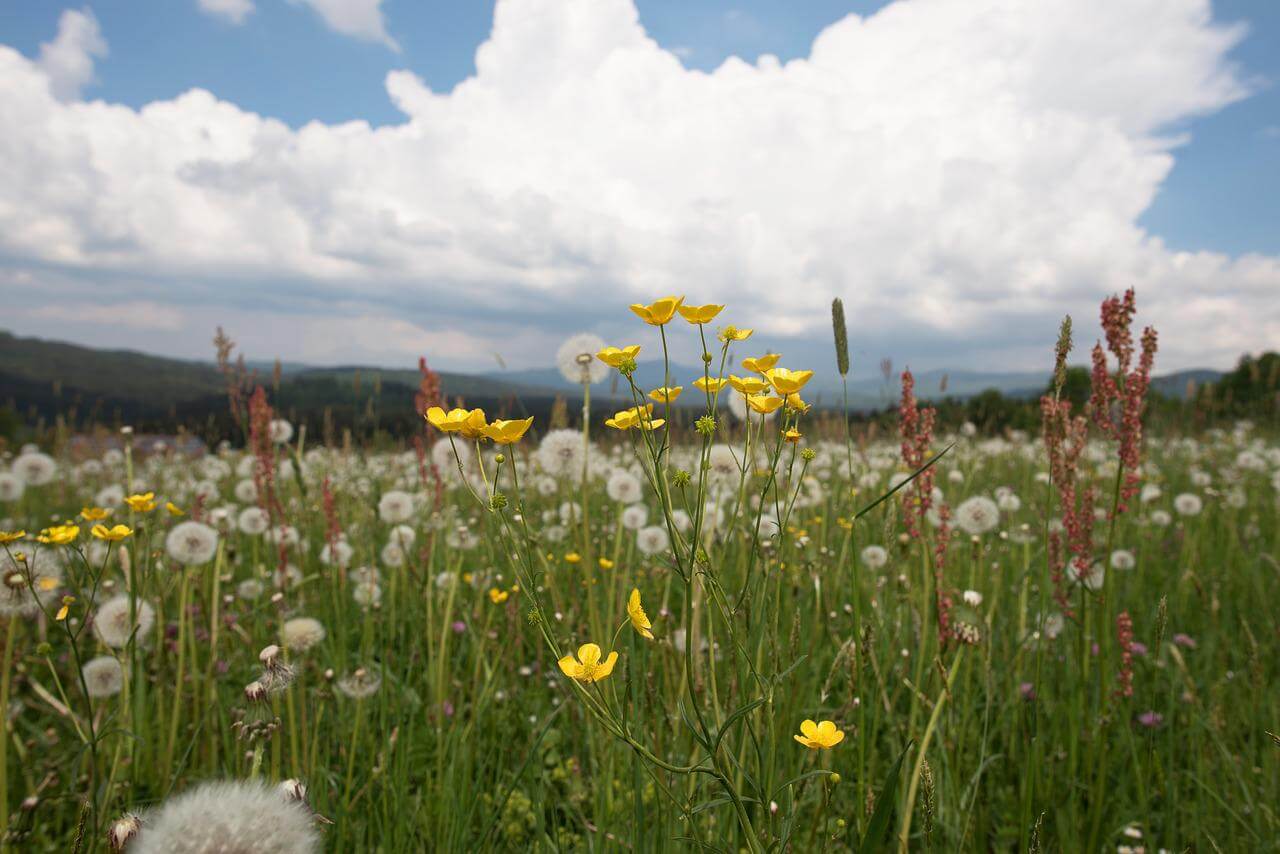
1063,642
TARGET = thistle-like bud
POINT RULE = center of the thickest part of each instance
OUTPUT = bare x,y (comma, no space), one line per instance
255,691
808,454
294,789
497,501
706,425
681,479
269,655
122,830
842,336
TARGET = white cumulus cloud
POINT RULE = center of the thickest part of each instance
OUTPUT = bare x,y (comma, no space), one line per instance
67,61
234,11
962,174
361,19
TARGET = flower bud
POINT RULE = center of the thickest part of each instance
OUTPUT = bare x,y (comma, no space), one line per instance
122,830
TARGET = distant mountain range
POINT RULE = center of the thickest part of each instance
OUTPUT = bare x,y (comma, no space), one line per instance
44,379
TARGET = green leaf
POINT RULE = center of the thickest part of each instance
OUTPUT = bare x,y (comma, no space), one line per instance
874,504
737,715
878,829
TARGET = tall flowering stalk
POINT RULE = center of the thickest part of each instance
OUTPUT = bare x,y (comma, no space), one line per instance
1124,639
1120,398
915,426
264,473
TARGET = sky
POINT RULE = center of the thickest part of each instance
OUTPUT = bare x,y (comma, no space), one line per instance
367,181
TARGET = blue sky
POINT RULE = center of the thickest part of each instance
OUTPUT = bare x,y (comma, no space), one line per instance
1162,166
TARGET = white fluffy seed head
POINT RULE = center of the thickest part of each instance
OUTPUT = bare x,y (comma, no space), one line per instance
112,625
229,816
301,633
191,543
103,676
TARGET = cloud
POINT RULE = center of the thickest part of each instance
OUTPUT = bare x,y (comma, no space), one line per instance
234,11
67,61
133,315
361,19
962,174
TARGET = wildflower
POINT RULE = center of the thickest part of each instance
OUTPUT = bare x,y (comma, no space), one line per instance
786,381
280,431
1184,640
302,633
747,385
639,619
624,487
497,596
122,830
733,333
143,502
192,543
977,515
94,514
659,312
507,432
1151,719
34,468
634,517
652,540
588,667
819,736
764,403
605,563
792,435
229,816
174,509
395,506
59,535
359,685
572,557
699,314
1122,559
112,625
253,521
575,360
560,453
711,385
1188,504
666,394
7,537
761,364
103,676
467,422
1124,639
874,557
616,357
67,602
114,534
796,403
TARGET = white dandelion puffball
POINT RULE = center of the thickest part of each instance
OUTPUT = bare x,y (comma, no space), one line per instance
103,676
395,506
624,487
403,536
250,589
577,360
192,543
11,486
1009,502
301,634
1093,580
1161,518
359,685
1123,559
281,431
652,540
723,463
1188,504
246,491
21,596
337,553
226,816
977,515
253,521
874,557
635,517
35,468
367,594
109,496
111,622
560,453
392,555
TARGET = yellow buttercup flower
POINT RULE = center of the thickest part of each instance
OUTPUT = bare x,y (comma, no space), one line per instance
142,502
616,357
796,404
763,403
748,385
497,596
469,423
7,537
174,509
697,314
573,557
605,563
761,364
113,534
636,415
59,535
733,333
507,432
788,382
639,619
94,514
792,435
666,394
710,384
659,312
588,667
65,609
819,736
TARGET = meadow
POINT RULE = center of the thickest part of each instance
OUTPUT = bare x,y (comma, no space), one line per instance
753,628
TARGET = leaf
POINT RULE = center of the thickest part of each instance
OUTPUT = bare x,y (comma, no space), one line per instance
878,828
734,718
874,504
